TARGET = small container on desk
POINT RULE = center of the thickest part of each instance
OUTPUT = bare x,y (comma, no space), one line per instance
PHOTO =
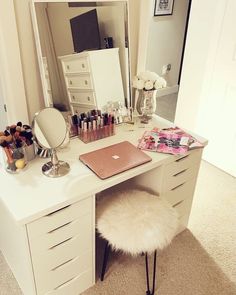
29,152
96,129
14,159
91,126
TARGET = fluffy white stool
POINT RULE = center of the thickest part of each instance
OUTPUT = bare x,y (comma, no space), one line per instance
135,221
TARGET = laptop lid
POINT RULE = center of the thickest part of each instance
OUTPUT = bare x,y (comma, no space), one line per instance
114,159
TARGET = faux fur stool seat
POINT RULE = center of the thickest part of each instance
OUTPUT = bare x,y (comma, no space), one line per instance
135,221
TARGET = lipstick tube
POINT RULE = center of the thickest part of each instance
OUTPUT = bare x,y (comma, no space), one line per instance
85,131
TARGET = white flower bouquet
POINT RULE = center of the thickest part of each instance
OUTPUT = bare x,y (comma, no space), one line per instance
148,81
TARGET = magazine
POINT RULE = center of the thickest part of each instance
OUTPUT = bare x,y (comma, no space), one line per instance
171,140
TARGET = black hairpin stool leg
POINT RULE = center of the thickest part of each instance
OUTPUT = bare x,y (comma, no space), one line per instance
105,259
148,292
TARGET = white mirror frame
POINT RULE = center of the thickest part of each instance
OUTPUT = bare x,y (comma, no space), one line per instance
39,51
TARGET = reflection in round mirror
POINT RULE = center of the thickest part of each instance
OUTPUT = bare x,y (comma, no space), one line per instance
49,128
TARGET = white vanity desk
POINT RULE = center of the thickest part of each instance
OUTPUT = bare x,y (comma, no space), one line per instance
54,252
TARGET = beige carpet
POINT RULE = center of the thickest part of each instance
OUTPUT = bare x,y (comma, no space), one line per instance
200,261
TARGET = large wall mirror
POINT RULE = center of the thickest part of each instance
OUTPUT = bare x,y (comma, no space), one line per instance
164,39
83,51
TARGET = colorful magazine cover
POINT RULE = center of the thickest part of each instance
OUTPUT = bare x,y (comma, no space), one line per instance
169,140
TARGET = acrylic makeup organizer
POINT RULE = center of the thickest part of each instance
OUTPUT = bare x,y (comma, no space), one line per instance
90,135
92,126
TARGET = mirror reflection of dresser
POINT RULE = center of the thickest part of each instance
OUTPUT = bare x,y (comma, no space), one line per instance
81,81
84,82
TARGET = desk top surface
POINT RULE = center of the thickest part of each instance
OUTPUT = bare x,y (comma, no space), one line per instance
29,194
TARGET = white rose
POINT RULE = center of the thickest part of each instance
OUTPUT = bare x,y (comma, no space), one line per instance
160,83
148,85
139,84
148,75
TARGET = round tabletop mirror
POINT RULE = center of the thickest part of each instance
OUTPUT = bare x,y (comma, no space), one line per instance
50,129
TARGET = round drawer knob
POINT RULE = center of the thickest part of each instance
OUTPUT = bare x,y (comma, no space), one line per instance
73,97
68,67
88,98
85,82
83,66
70,82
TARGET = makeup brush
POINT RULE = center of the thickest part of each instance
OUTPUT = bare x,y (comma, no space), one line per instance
10,161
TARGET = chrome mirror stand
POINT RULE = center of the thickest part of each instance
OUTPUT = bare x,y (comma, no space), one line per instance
55,168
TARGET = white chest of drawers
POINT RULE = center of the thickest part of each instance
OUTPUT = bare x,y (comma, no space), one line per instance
61,245
92,79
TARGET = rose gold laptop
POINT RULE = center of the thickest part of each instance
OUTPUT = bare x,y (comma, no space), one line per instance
114,159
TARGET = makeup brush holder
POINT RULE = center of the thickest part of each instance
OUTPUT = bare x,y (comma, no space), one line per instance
14,159
29,151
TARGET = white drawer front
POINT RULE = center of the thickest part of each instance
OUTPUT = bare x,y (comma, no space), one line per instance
79,81
64,273
82,97
75,286
76,65
50,240
61,246
184,207
183,163
60,217
68,249
183,175
180,192
78,109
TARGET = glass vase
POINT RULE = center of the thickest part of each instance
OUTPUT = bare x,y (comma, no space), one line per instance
146,104
13,159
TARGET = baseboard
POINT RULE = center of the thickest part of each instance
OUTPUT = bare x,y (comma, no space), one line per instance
167,90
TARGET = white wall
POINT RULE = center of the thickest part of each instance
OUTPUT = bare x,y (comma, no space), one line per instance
165,41
11,80
206,101
194,74
3,115
110,18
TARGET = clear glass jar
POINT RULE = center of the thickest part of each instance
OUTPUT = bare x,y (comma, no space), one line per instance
14,159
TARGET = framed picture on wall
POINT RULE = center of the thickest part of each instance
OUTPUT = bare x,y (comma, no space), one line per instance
163,7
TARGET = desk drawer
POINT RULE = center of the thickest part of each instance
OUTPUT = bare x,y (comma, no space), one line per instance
76,65
183,163
75,286
184,207
68,249
180,192
82,97
179,177
59,218
78,109
50,240
57,277
79,81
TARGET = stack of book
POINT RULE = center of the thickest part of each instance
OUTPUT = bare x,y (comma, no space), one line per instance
171,140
